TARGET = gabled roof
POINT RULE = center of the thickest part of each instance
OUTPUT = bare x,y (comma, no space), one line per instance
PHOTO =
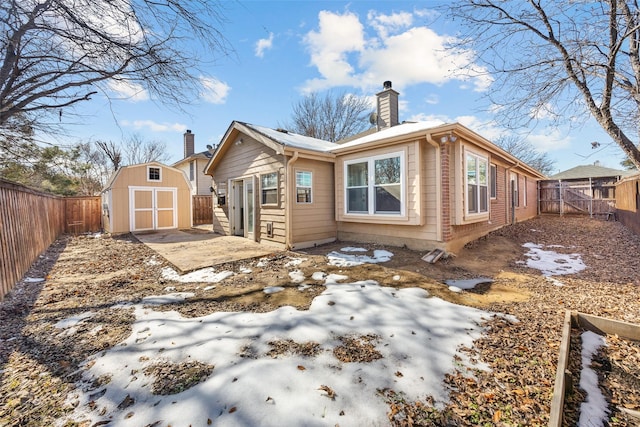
201,155
293,140
278,140
590,171
434,130
282,141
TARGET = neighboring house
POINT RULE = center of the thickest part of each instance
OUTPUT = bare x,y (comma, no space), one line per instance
147,196
586,189
422,185
193,165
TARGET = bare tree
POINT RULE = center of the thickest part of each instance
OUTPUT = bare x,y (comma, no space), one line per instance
332,117
57,53
526,152
108,150
137,150
560,59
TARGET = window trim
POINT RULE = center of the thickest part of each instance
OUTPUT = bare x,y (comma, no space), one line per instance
478,158
493,181
277,188
524,192
516,200
371,186
149,179
310,187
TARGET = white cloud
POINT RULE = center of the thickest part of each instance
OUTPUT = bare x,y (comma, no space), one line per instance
264,44
155,126
551,140
345,54
337,36
214,90
129,90
385,24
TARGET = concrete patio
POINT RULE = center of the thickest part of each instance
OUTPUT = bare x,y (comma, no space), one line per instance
197,248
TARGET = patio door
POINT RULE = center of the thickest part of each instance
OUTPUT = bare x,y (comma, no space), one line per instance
243,208
152,208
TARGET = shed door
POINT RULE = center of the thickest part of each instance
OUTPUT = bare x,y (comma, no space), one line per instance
153,208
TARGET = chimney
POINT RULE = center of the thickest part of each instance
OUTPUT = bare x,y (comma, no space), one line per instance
189,142
387,101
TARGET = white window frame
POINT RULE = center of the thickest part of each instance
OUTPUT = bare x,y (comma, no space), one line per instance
309,187
478,158
516,199
493,181
149,174
263,189
371,186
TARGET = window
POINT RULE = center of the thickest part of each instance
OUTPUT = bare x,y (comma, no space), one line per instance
192,170
303,187
374,186
515,190
269,188
494,181
477,184
153,173
524,193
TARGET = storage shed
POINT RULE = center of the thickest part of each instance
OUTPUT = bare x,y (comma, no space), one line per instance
147,196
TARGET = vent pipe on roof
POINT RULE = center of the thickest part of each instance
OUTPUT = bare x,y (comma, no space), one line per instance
387,106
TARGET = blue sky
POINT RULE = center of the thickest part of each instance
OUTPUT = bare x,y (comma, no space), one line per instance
284,49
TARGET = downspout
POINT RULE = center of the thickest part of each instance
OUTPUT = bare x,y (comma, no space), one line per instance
513,202
289,200
439,181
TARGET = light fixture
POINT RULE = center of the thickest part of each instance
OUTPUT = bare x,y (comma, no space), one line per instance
240,141
448,138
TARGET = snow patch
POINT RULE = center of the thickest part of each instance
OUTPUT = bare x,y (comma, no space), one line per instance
466,284
551,263
74,320
272,289
347,260
167,299
417,336
205,275
296,276
594,409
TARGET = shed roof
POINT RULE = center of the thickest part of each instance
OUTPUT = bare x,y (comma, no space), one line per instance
115,174
590,171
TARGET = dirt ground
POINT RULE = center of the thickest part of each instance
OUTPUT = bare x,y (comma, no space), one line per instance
38,368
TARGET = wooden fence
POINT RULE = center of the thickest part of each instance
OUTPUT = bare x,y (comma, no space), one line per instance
628,203
202,210
31,220
590,197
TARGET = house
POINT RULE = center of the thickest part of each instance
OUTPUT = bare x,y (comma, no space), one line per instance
585,189
423,185
193,165
147,196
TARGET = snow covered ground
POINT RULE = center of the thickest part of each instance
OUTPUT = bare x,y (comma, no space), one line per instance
417,337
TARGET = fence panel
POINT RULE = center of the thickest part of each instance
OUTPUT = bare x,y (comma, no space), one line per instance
202,210
628,203
83,214
29,222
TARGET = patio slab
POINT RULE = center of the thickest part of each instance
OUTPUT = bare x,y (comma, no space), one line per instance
196,248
